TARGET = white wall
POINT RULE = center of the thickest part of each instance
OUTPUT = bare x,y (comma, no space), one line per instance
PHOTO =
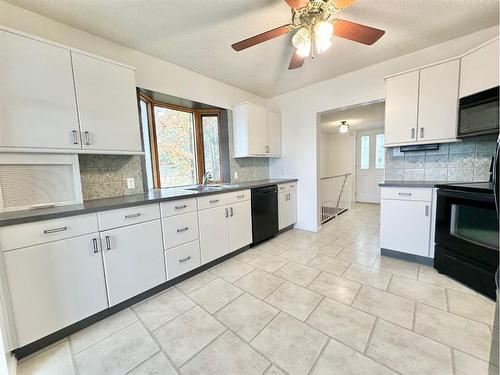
338,153
300,108
152,73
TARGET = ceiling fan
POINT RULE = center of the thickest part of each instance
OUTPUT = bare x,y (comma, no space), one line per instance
315,23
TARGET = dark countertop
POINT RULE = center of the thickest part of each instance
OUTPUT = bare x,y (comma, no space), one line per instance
97,205
473,187
411,184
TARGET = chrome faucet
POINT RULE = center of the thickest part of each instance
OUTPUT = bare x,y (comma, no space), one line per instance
207,177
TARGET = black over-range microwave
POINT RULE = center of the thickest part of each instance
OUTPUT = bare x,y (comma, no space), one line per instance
478,114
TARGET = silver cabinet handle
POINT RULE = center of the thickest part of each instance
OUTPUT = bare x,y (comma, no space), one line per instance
94,245
131,216
180,207
214,201
184,259
55,230
74,134
412,133
421,132
240,196
267,149
426,210
182,229
227,214
108,242
86,137
232,211
405,194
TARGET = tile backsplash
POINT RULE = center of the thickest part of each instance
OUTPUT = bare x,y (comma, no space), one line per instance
465,161
105,176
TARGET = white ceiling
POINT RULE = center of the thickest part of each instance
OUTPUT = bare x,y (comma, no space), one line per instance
197,34
359,117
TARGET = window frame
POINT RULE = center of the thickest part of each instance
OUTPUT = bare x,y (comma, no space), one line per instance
198,137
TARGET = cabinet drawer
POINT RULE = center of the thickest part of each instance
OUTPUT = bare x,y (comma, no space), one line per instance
177,207
407,194
239,196
128,215
282,188
180,229
182,259
213,200
22,235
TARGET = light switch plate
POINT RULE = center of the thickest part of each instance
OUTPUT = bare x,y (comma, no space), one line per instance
130,183
235,174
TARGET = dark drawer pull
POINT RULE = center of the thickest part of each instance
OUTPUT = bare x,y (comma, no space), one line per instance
182,229
240,196
95,246
131,216
405,194
180,207
55,230
184,259
214,201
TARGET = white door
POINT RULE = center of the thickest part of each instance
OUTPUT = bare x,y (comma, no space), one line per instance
133,260
401,107
438,102
370,161
214,233
107,105
273,133
240,225
54,285
408,226
292,206
37,97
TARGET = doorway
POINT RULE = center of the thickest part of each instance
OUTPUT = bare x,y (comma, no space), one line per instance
370,164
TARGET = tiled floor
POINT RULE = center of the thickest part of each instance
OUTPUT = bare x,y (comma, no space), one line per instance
303,303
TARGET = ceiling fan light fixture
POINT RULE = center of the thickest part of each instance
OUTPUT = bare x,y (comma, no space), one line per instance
343,127
302,42
323,32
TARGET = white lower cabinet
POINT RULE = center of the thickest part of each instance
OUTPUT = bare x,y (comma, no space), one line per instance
133,260
182,259
405,220
214,233
240,225
54,285
287,205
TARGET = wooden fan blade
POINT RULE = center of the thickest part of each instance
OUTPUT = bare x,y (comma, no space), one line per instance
297,4
297,61
250,42
342,4
357,32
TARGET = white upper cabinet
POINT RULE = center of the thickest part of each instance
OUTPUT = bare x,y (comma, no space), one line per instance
37,98
273,119
479,69
438,102
107,105
401,108
256,131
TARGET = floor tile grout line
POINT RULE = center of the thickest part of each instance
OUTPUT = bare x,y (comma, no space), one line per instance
72,354
316,360
452,357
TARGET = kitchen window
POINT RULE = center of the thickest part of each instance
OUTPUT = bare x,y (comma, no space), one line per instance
181,144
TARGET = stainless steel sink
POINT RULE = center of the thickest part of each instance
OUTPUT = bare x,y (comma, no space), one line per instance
217,187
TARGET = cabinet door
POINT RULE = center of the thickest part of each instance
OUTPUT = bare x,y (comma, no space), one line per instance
405,226
214,233
240,225
438,102
257,130
479,70
133,260
273,133
401,106
107,105
54,285
37,97
292,207
282,210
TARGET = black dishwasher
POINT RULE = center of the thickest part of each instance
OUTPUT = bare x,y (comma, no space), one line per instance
264,213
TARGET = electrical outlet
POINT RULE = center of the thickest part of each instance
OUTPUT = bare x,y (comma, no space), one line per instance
235,174
130,183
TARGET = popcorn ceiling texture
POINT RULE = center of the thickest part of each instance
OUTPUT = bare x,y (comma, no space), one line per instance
465,161
105,176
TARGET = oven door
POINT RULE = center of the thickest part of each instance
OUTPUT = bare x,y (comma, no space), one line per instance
467,223
478,114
